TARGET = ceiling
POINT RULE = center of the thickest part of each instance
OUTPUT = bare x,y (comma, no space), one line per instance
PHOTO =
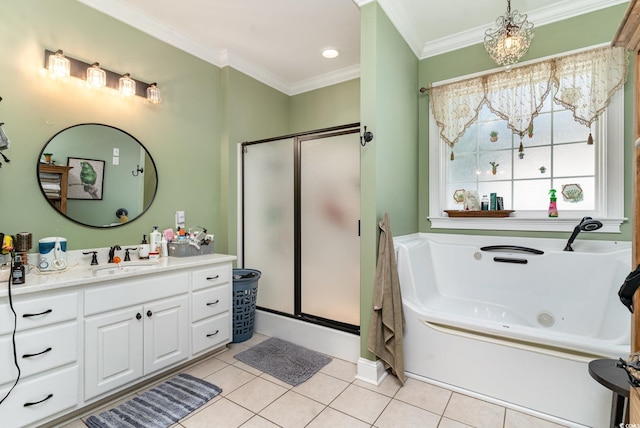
279,42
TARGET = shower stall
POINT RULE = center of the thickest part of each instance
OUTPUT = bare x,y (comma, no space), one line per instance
301,224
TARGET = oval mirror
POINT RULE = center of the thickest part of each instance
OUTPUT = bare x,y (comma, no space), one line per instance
97,175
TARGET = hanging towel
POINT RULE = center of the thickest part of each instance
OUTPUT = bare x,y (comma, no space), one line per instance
387,320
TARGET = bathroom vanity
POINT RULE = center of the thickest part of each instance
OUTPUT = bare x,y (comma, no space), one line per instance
85,334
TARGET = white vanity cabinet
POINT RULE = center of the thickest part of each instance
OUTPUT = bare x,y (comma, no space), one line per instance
47,353
134,328
211,307
86,335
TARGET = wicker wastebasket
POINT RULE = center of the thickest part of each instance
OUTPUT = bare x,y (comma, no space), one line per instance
245,293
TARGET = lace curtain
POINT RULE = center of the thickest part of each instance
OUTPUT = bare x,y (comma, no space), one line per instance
584,83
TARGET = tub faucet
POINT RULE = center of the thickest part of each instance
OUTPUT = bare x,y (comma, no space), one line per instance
587,224
112,251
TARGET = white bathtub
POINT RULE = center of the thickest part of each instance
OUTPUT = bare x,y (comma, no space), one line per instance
520,330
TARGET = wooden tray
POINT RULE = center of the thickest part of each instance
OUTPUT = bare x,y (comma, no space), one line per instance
485,213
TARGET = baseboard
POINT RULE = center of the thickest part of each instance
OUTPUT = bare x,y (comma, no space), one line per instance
372,372
338,344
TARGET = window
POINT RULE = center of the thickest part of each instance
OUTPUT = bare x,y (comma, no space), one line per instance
555,156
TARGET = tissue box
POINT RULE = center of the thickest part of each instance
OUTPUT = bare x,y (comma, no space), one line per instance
180,249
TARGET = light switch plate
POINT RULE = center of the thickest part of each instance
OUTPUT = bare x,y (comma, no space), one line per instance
116,160
116,151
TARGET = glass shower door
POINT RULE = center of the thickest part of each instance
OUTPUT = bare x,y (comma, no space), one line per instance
329,227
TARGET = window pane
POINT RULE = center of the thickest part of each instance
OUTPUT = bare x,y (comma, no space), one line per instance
567,130
573,159
585,186
462,169
500,188
533,159
495,165
467,143
531,194
541,132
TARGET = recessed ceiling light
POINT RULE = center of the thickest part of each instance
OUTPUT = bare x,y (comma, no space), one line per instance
330,53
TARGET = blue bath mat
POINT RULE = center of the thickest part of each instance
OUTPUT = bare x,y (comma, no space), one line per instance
283,360
160,407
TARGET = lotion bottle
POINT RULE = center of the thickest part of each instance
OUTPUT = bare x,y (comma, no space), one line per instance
553,209
154,240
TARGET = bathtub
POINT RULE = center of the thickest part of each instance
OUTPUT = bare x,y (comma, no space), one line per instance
518,326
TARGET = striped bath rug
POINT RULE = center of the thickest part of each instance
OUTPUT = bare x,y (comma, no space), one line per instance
160,407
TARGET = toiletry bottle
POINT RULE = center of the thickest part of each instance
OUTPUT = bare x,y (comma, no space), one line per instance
17,272
164,248
154,240
143,249
553,209
485,203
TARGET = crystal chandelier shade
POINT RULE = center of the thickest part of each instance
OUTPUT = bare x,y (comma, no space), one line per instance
126,85
510,38
58,65
96,77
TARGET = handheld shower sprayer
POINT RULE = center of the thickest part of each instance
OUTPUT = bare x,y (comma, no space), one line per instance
587,224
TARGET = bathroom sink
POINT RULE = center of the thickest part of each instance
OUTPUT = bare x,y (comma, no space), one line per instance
125,267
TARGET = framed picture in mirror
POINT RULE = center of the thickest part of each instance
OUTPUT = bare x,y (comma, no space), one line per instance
86,178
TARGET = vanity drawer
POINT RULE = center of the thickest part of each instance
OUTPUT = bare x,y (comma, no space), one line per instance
61,340
211,332
210,301
52,392
215,275
38,312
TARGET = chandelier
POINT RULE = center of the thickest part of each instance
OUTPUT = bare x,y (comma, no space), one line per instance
510,38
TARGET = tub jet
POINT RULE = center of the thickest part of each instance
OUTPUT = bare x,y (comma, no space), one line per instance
587,224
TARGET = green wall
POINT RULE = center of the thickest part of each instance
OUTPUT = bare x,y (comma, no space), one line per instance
389,164
322,108
183,134
582,31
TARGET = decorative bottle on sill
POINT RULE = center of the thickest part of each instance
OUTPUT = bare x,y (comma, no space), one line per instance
553,208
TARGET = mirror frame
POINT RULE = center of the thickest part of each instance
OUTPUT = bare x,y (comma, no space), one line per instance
155,168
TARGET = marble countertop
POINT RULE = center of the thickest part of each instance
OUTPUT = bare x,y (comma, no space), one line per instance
80,272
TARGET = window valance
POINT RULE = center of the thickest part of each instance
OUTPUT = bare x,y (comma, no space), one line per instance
583,82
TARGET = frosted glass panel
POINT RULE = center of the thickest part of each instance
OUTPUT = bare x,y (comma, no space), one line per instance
330,245
268,221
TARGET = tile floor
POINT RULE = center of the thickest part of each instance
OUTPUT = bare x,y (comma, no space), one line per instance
332,398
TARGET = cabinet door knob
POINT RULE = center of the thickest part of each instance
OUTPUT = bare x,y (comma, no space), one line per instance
38,402
149,313
138,316
39,353
213,334
213,277
48,311
213,303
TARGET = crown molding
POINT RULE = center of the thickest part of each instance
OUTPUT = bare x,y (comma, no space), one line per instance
558,12
223,58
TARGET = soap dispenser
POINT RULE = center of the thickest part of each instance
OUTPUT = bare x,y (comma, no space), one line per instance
143,249
17,272
553,208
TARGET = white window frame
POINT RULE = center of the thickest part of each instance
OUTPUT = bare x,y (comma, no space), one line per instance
609,163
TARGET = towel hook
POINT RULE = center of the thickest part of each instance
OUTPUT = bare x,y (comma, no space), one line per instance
137,171
366,137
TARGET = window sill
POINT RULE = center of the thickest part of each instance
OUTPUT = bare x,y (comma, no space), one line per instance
560,224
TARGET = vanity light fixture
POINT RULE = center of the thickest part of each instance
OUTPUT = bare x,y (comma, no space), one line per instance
154,96
126,85
58,65
96,77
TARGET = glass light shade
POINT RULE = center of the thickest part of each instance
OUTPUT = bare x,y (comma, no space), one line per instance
510,38
96,77
58,65
126,85
154,96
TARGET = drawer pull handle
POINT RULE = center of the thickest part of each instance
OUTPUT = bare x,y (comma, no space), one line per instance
38,402
138,316
213,334
149,313
39,353
48,311
213,303
213,277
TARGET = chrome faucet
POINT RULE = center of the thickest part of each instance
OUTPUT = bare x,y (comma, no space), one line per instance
112,251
